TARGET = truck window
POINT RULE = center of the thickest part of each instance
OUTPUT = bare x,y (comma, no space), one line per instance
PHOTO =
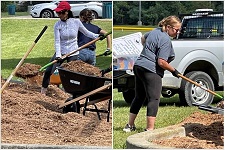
202,27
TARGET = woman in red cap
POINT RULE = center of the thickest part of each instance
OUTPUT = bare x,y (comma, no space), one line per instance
65,33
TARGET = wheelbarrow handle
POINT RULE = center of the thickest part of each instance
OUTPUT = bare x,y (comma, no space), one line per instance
195,83
80,48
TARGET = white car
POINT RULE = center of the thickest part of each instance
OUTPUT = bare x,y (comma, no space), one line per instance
46,10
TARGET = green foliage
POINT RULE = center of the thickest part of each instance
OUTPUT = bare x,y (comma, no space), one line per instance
127,12
4,5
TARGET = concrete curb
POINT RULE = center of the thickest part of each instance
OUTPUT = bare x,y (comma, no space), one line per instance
41,146
143,140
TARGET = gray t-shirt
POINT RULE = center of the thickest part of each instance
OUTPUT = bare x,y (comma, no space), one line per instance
157,45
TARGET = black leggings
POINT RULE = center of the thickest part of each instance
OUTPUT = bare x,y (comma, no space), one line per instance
148,86
49,71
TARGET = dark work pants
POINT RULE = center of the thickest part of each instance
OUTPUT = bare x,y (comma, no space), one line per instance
49,71
148,86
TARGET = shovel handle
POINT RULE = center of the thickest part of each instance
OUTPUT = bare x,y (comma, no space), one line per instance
195,83
74,51
42,32
23,58
49,64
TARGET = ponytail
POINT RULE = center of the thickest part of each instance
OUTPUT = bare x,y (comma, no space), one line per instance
70,14
170,20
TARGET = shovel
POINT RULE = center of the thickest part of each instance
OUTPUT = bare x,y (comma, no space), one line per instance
22,60
74,51
202,87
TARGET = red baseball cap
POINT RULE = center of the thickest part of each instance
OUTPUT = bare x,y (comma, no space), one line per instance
63,6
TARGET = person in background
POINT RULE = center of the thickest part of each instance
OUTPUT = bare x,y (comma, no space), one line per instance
88,54
149,70
65,34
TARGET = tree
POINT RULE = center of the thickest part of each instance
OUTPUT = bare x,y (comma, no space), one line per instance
126,12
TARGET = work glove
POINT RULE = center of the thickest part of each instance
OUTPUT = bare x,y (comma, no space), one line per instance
107,52
104,71
101,36
175,73
59,59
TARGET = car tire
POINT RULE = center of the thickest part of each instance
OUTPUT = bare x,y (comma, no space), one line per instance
190,93
47,14
94,14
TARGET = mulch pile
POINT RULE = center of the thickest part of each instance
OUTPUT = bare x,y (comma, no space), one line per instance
205,131
28,117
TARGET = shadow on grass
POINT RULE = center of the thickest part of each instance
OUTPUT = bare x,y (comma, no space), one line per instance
163,102
11,63
173,101
120,103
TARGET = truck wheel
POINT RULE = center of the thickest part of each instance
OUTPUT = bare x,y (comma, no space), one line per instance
129,95
190,93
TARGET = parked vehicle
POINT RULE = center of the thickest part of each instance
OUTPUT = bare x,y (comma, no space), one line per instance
45,10
199,50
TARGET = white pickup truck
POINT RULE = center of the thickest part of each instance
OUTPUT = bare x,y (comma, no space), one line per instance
199,55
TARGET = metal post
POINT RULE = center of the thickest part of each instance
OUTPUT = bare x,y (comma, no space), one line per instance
139,22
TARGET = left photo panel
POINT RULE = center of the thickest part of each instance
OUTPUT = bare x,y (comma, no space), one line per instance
56,74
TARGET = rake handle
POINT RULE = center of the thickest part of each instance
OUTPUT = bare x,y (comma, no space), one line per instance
195,83
24,57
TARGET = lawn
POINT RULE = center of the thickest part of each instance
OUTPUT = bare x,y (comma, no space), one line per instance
18,35
169,112
5,14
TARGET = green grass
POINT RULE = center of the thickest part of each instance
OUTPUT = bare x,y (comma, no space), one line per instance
5,14
119,33
169,112
18,35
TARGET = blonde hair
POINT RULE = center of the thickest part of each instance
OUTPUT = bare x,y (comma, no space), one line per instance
170,20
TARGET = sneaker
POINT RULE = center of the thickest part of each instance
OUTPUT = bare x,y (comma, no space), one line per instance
147,130
129,128
43,90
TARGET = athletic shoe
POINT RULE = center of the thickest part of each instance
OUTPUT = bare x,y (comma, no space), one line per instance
147,130
129,128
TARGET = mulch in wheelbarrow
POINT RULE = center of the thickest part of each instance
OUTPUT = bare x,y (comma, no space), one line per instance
32,75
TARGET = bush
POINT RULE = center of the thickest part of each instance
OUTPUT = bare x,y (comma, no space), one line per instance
4,5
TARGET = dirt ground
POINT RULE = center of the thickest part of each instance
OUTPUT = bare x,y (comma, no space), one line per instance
28,117
206,132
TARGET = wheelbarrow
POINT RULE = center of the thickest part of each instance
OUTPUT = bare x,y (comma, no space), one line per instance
89,88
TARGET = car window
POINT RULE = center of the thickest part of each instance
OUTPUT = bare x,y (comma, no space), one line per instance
78,2
202,27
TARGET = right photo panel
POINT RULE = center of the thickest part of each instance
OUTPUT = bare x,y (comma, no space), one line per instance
168,74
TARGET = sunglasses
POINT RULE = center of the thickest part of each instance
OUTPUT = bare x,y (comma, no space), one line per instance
177,30
61,12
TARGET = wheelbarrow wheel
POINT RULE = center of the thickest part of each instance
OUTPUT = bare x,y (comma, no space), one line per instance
74,107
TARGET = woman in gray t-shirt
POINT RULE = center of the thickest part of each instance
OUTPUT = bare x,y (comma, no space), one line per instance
149,69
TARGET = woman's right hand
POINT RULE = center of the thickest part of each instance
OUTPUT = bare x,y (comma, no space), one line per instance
59,59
